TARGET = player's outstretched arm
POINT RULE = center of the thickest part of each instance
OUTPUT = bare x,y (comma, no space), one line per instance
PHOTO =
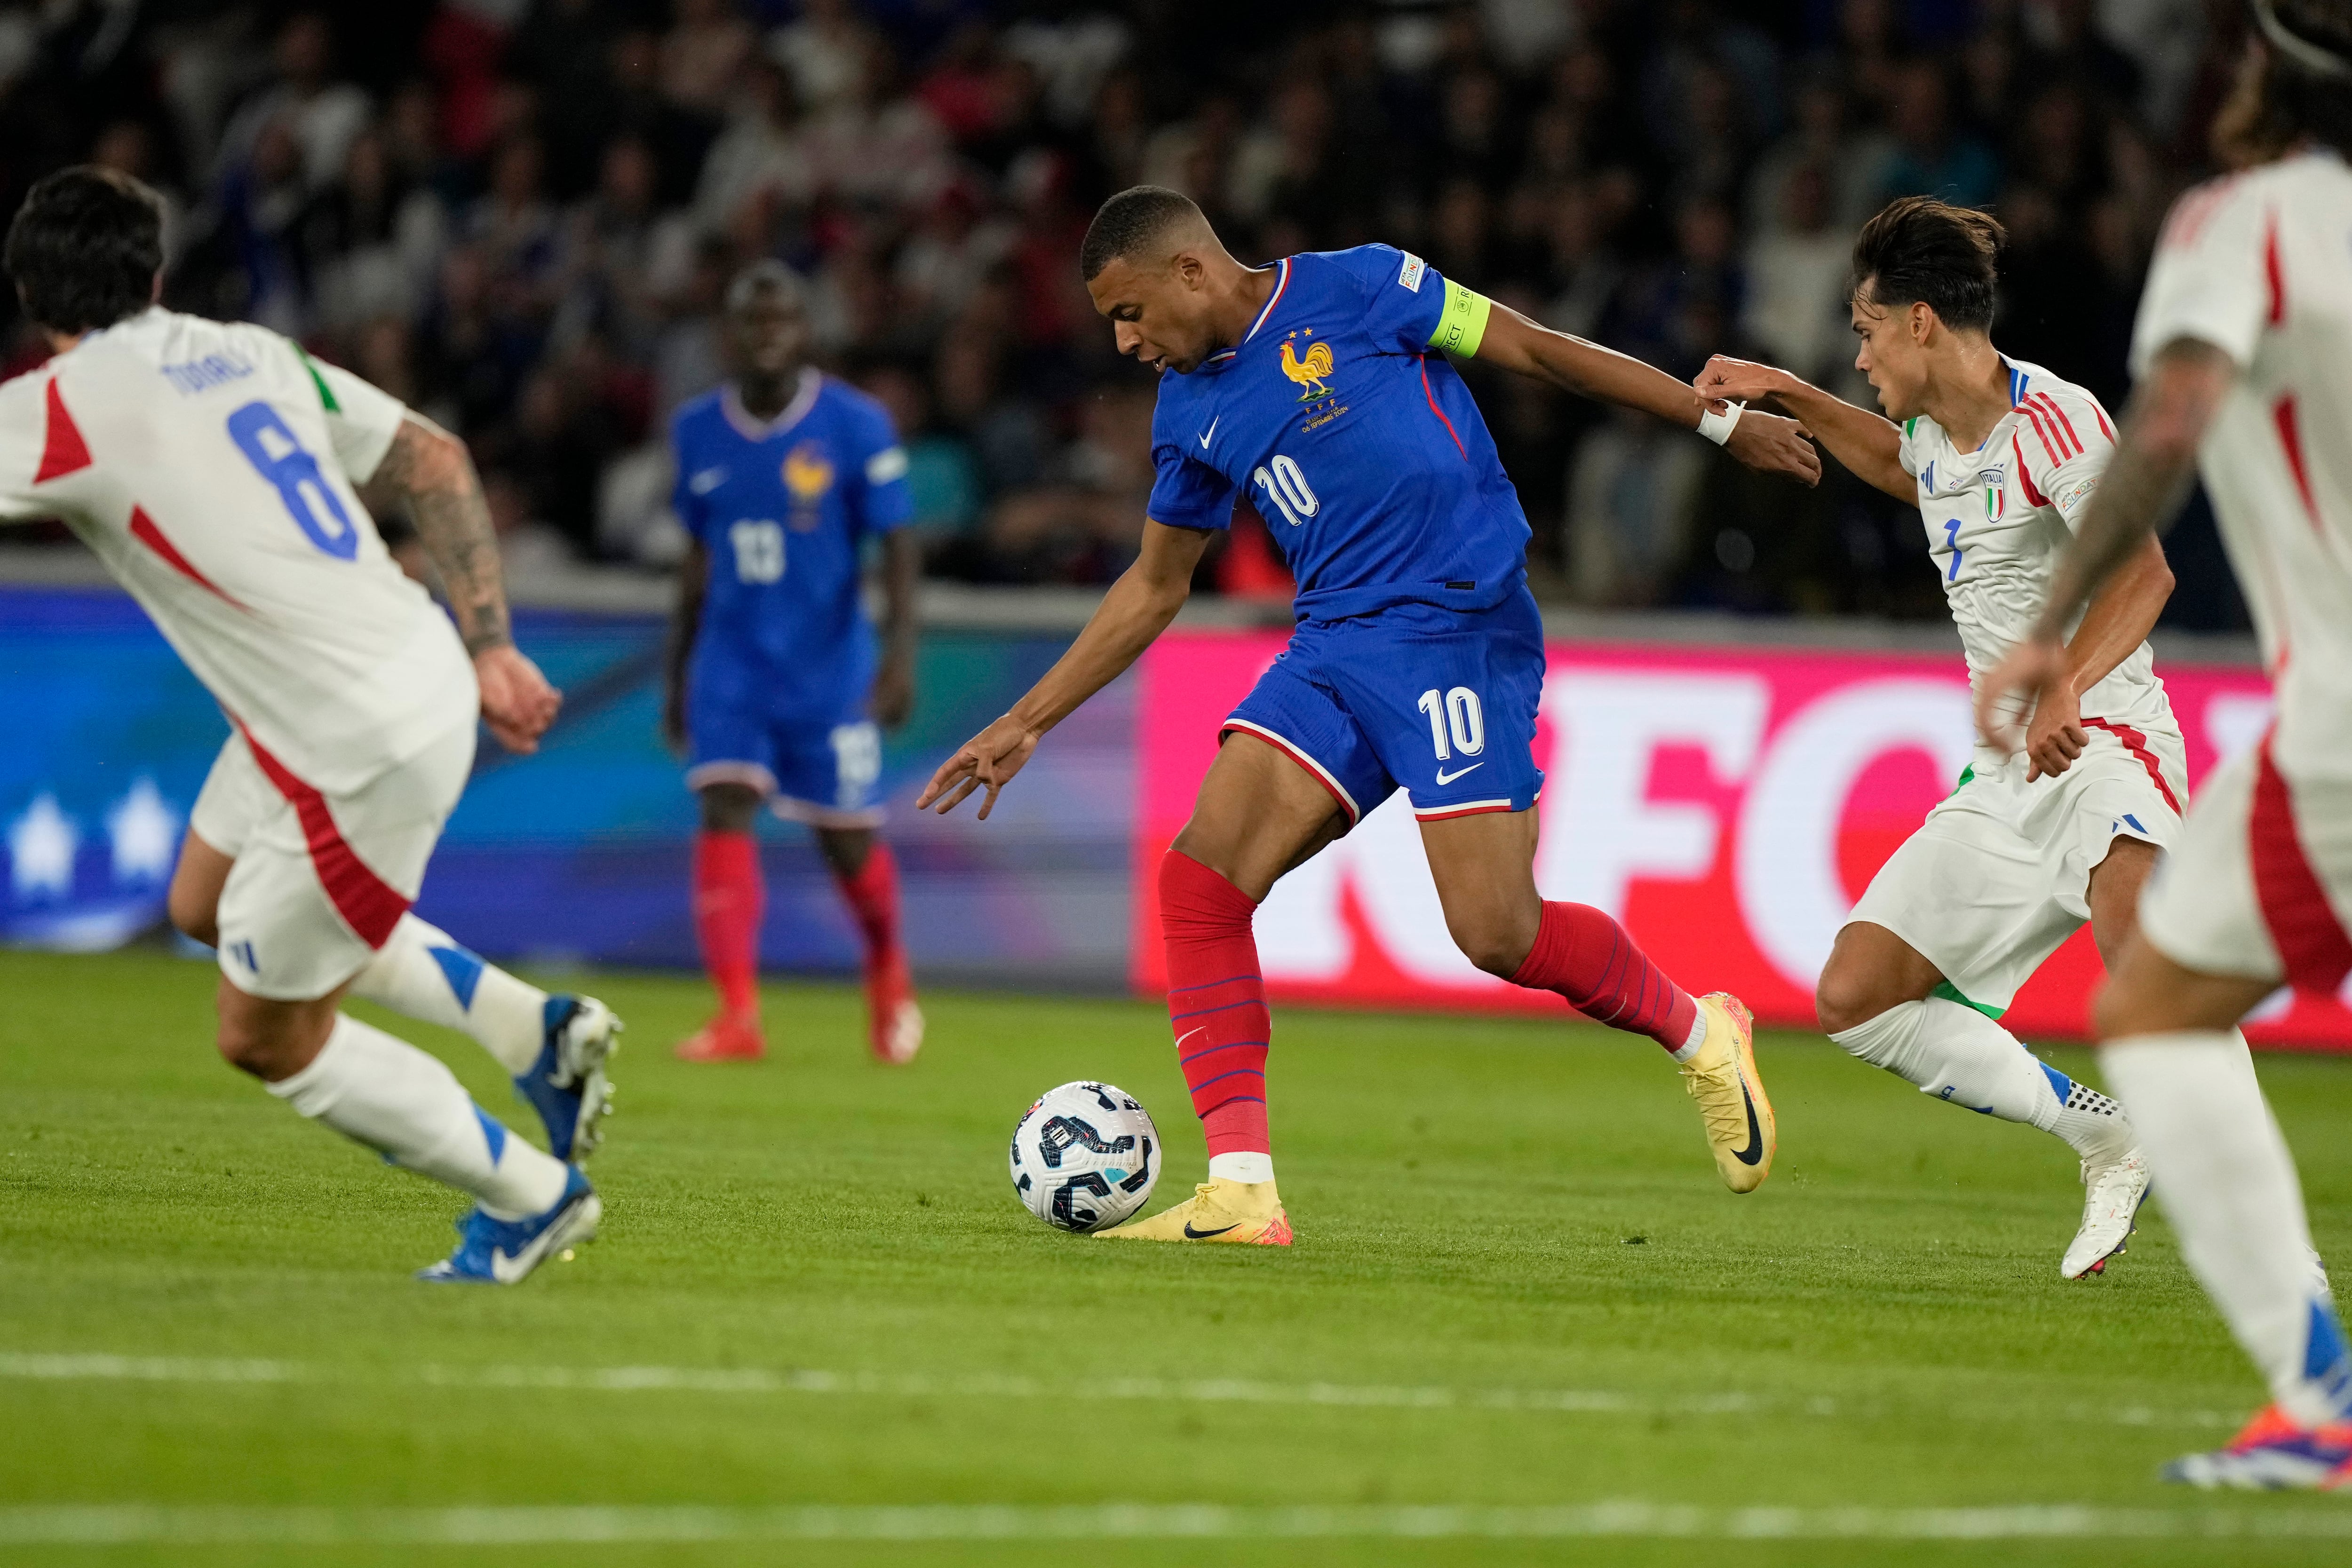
685,625
1137,608
2146,481
1769,444
1868,444
428,472
894,681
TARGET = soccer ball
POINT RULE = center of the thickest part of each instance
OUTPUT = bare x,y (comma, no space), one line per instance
1084,1157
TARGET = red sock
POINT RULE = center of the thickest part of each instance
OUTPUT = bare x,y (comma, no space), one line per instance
1592,960
1216,1002
872,893
729,896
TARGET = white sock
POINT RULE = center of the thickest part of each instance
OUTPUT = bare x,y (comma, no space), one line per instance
1697,1037
2227,1184
1243,1167
422,972
391,1096
1956,1053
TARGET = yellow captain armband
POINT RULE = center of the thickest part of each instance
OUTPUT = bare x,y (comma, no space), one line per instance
1461,323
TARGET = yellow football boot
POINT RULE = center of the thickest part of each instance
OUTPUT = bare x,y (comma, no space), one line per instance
1721,1076
1249,1213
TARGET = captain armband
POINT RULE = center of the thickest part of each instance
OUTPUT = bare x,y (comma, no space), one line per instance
1462,322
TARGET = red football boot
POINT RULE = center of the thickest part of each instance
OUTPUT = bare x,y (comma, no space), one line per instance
730,1037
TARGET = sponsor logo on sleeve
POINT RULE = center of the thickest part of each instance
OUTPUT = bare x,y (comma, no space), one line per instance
887,464
1409,275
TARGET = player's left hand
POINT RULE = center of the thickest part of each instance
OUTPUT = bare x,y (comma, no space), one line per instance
893,696
2054,737
517,704
1738,380
988,760
2024,680
1770,444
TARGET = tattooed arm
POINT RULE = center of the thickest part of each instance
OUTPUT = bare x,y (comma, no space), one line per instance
2142,488
429,475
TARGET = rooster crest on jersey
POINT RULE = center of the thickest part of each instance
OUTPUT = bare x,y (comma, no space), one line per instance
1311,372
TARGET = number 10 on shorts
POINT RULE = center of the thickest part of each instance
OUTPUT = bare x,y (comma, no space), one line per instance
1454,716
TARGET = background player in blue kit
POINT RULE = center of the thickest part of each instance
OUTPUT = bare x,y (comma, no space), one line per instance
1321,385
776,684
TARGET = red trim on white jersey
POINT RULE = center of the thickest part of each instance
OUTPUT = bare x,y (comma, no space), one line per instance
63,451
369,905
2137,743
143,529
2024,475
2290,432
1322,775
2304,925
2060,427
2274,275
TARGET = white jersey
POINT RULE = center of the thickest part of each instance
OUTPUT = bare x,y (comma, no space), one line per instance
2257,264
1999,517
211,465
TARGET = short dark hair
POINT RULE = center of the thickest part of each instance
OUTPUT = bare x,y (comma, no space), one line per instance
85,247
1920,250
1130,221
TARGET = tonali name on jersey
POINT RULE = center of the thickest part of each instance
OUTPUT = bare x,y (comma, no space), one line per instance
2260,266
1998,518
210,466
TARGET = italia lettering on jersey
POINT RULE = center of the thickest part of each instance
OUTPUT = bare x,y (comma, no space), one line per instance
1341,420
211,465
782,507
1999,516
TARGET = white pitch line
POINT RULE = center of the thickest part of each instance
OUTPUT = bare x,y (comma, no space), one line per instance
99,1367
107,1524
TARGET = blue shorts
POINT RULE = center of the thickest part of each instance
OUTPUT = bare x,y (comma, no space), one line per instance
1440,701
807,771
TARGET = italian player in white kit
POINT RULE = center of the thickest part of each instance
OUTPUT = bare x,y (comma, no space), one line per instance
2243,358
219,473
2000,457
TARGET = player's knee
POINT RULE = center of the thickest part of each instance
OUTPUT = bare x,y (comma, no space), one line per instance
728,807
194,915
2118,1009
1498,946
1844,998
251,1046
846,849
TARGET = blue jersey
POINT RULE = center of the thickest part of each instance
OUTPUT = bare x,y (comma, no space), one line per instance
1355,440
781,507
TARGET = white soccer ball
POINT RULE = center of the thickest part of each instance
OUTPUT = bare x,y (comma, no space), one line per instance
1084,1157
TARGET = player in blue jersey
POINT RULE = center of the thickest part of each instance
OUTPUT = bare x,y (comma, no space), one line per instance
776,684
1321,386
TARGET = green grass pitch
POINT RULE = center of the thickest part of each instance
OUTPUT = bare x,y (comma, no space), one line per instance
1521,1314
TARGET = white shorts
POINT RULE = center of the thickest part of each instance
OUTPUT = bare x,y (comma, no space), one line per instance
2000,874
2260,885
321,880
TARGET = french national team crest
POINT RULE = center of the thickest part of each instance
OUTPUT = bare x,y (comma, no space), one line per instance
808,478
1311,370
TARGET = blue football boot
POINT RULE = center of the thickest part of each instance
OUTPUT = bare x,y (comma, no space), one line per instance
567,1085
504,1252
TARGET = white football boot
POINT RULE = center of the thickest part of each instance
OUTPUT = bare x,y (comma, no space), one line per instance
2113,1190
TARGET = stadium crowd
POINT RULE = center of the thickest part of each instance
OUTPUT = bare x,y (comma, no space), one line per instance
518,216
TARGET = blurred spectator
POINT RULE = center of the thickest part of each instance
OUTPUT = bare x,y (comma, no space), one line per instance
518,214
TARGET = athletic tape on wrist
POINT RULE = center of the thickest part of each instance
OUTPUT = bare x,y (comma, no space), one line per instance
1717,427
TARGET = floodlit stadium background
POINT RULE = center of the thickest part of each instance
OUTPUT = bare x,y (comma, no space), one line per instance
517,217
